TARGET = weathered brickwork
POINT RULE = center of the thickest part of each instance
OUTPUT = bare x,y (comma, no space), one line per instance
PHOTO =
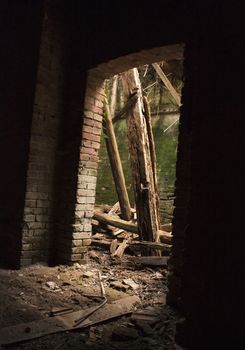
77,185
38,218
21,24
75,231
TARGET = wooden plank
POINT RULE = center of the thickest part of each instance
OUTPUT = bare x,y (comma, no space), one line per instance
114,208
37,329
164,236
147,114
165,248
140,158
151,260
116,222
120,249
113,95
113,246
116,165
167,83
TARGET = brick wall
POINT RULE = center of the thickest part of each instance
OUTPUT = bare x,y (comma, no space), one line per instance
38,219
75,211
20,28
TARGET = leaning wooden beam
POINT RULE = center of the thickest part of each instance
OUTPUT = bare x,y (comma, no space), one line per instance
116,165
113,95
116,222
140,157
147,114
167,83
164,113
122,114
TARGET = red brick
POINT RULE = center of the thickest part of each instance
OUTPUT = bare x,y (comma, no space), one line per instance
84,156
97,124
96,145
99,103
87,143
90,107
91,137
87,129
98,115
88,114
97,131
94,158
88,150
89,122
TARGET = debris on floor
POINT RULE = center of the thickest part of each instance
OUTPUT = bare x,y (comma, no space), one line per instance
112,302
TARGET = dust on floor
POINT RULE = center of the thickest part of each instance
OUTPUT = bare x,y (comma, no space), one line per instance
33,292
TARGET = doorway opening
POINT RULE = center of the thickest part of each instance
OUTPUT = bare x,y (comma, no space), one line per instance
164,119
134,280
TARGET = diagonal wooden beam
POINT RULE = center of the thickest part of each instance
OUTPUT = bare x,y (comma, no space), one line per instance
167,83
116,164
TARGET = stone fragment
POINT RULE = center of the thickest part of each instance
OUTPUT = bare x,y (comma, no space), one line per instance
51,286
119,285
131,283
88,274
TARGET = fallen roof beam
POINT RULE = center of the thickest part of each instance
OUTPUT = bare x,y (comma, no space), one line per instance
167,83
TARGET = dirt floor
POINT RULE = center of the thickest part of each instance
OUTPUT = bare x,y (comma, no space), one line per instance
33,292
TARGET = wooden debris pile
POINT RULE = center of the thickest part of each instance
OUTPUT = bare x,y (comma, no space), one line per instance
116,235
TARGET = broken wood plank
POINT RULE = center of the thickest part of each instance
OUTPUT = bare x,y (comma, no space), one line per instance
149,315
115,221
36,329
118,232
120,249
151,260
164,236
114,209
116,165
167,83
166,227
142,175
113,246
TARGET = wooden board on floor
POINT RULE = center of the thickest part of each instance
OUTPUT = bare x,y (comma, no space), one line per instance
37,329
151,260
